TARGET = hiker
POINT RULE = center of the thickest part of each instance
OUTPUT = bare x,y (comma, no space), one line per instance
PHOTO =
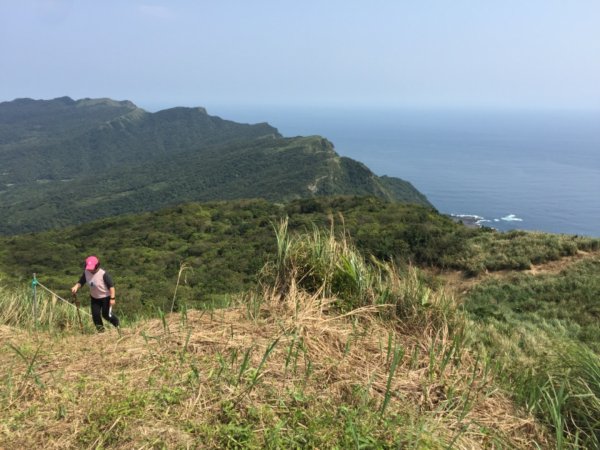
102,292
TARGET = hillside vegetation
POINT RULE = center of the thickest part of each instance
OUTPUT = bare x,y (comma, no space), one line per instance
273,295
287,332
74,161
330,351
224,245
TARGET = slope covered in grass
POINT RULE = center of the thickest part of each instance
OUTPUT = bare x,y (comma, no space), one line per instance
543,332
284,369
329,346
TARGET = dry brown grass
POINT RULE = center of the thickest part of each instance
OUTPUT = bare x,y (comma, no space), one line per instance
166,383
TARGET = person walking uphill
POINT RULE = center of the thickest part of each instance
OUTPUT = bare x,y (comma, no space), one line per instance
102,292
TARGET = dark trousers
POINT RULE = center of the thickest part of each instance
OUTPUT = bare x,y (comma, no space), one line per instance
101,309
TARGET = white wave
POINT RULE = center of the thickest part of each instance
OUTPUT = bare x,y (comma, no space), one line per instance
512,218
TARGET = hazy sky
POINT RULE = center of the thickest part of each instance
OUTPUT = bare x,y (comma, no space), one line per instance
393,53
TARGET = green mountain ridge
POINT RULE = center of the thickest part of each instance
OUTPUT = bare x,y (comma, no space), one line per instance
70,161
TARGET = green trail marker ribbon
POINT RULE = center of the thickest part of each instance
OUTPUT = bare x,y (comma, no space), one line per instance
34,284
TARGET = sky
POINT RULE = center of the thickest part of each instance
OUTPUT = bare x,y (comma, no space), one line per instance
523,54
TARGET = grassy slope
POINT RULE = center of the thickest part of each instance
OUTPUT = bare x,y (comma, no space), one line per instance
278,372
540,327
225,244
539,358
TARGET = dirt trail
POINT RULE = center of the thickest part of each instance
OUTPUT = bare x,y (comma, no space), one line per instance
555,267
457,283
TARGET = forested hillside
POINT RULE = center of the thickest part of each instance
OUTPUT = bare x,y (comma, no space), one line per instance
60,139
66,162
224,244
277,288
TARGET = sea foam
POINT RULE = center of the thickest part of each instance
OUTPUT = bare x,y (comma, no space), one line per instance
512,218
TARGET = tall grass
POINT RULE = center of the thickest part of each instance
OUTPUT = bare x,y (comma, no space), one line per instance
563,390
16,309
576,370
182,268
543,333
305,366
320,261
555,378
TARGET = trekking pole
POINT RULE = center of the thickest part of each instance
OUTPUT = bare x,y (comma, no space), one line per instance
76,301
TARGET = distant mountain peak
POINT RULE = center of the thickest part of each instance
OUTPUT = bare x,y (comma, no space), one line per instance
64,99
106,102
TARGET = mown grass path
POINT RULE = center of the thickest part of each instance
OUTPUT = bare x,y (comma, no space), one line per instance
458,283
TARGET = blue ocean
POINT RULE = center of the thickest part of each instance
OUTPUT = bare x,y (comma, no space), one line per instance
513,170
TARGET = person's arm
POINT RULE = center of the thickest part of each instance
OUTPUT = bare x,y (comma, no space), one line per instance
78,285
111,287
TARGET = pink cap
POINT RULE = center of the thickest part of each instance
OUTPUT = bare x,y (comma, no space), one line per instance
91,262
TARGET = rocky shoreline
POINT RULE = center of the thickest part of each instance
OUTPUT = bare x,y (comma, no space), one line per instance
470,221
